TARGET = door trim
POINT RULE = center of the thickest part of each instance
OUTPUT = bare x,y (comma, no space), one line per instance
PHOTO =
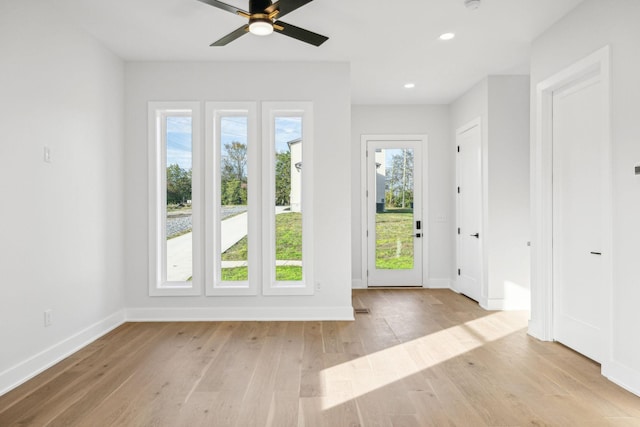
477,122
423,140
541,323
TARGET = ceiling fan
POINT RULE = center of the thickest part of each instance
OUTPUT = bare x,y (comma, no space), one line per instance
264,18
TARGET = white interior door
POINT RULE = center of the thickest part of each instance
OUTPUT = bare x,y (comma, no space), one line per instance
469,166
395,229
580,284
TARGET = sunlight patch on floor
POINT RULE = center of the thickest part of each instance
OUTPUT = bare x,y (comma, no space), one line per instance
350,380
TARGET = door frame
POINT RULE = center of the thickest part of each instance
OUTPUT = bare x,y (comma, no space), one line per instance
542,268
477,122
422,139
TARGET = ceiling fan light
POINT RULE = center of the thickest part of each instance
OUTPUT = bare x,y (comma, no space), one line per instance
261,27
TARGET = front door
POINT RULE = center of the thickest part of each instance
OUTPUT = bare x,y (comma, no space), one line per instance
580,283
394,210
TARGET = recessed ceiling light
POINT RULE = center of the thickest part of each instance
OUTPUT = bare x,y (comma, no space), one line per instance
472,4
446,36
409,85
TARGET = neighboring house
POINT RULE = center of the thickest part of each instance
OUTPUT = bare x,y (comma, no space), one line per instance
381,178
295,196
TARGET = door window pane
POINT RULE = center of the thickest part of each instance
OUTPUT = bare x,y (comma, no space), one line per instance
394,209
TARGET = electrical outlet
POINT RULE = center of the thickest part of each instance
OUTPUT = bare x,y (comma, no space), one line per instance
48,317
318,287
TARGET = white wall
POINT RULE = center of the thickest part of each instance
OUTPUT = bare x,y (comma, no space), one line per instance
411,119
592,25
509,228
61,223
502,104
324,84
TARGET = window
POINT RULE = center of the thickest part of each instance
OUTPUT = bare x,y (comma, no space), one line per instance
173,199
288,208
232,194
234,213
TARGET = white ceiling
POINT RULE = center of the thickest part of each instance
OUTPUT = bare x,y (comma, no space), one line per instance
388,43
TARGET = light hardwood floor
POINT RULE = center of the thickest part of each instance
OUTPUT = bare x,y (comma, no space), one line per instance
420,358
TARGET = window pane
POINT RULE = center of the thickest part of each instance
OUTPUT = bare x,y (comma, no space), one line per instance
233,198
288,198
178,182
394,209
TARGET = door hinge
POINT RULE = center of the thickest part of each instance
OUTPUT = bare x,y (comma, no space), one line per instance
458,272
458,148
367,193
367,233
367,273
458,230
458,190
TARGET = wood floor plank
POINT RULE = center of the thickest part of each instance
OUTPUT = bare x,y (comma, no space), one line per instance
289,366
284,409
311,380
47,402
419,358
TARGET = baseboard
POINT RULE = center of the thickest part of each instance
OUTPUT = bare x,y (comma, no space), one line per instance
537,331
211,314
430,284
492,304
622,375
358,284
24,371
454,286
505,304
439,284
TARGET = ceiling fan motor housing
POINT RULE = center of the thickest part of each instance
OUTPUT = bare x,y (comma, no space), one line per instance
258,6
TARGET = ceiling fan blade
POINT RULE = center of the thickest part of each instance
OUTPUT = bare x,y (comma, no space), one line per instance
224,6
288,6
300,33
231,36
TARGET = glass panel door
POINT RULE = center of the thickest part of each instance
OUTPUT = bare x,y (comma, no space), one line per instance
395,229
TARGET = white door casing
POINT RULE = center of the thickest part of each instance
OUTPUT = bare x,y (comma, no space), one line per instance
469,210
543,273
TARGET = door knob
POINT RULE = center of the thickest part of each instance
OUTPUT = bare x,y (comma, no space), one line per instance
477,235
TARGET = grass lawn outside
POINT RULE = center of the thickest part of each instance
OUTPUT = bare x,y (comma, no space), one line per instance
394,239
288,248
283,273
394,245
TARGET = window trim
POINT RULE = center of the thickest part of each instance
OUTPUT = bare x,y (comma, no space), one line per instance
271,110
214,111
158,285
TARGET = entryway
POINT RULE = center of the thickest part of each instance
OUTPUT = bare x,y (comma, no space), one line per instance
395,227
